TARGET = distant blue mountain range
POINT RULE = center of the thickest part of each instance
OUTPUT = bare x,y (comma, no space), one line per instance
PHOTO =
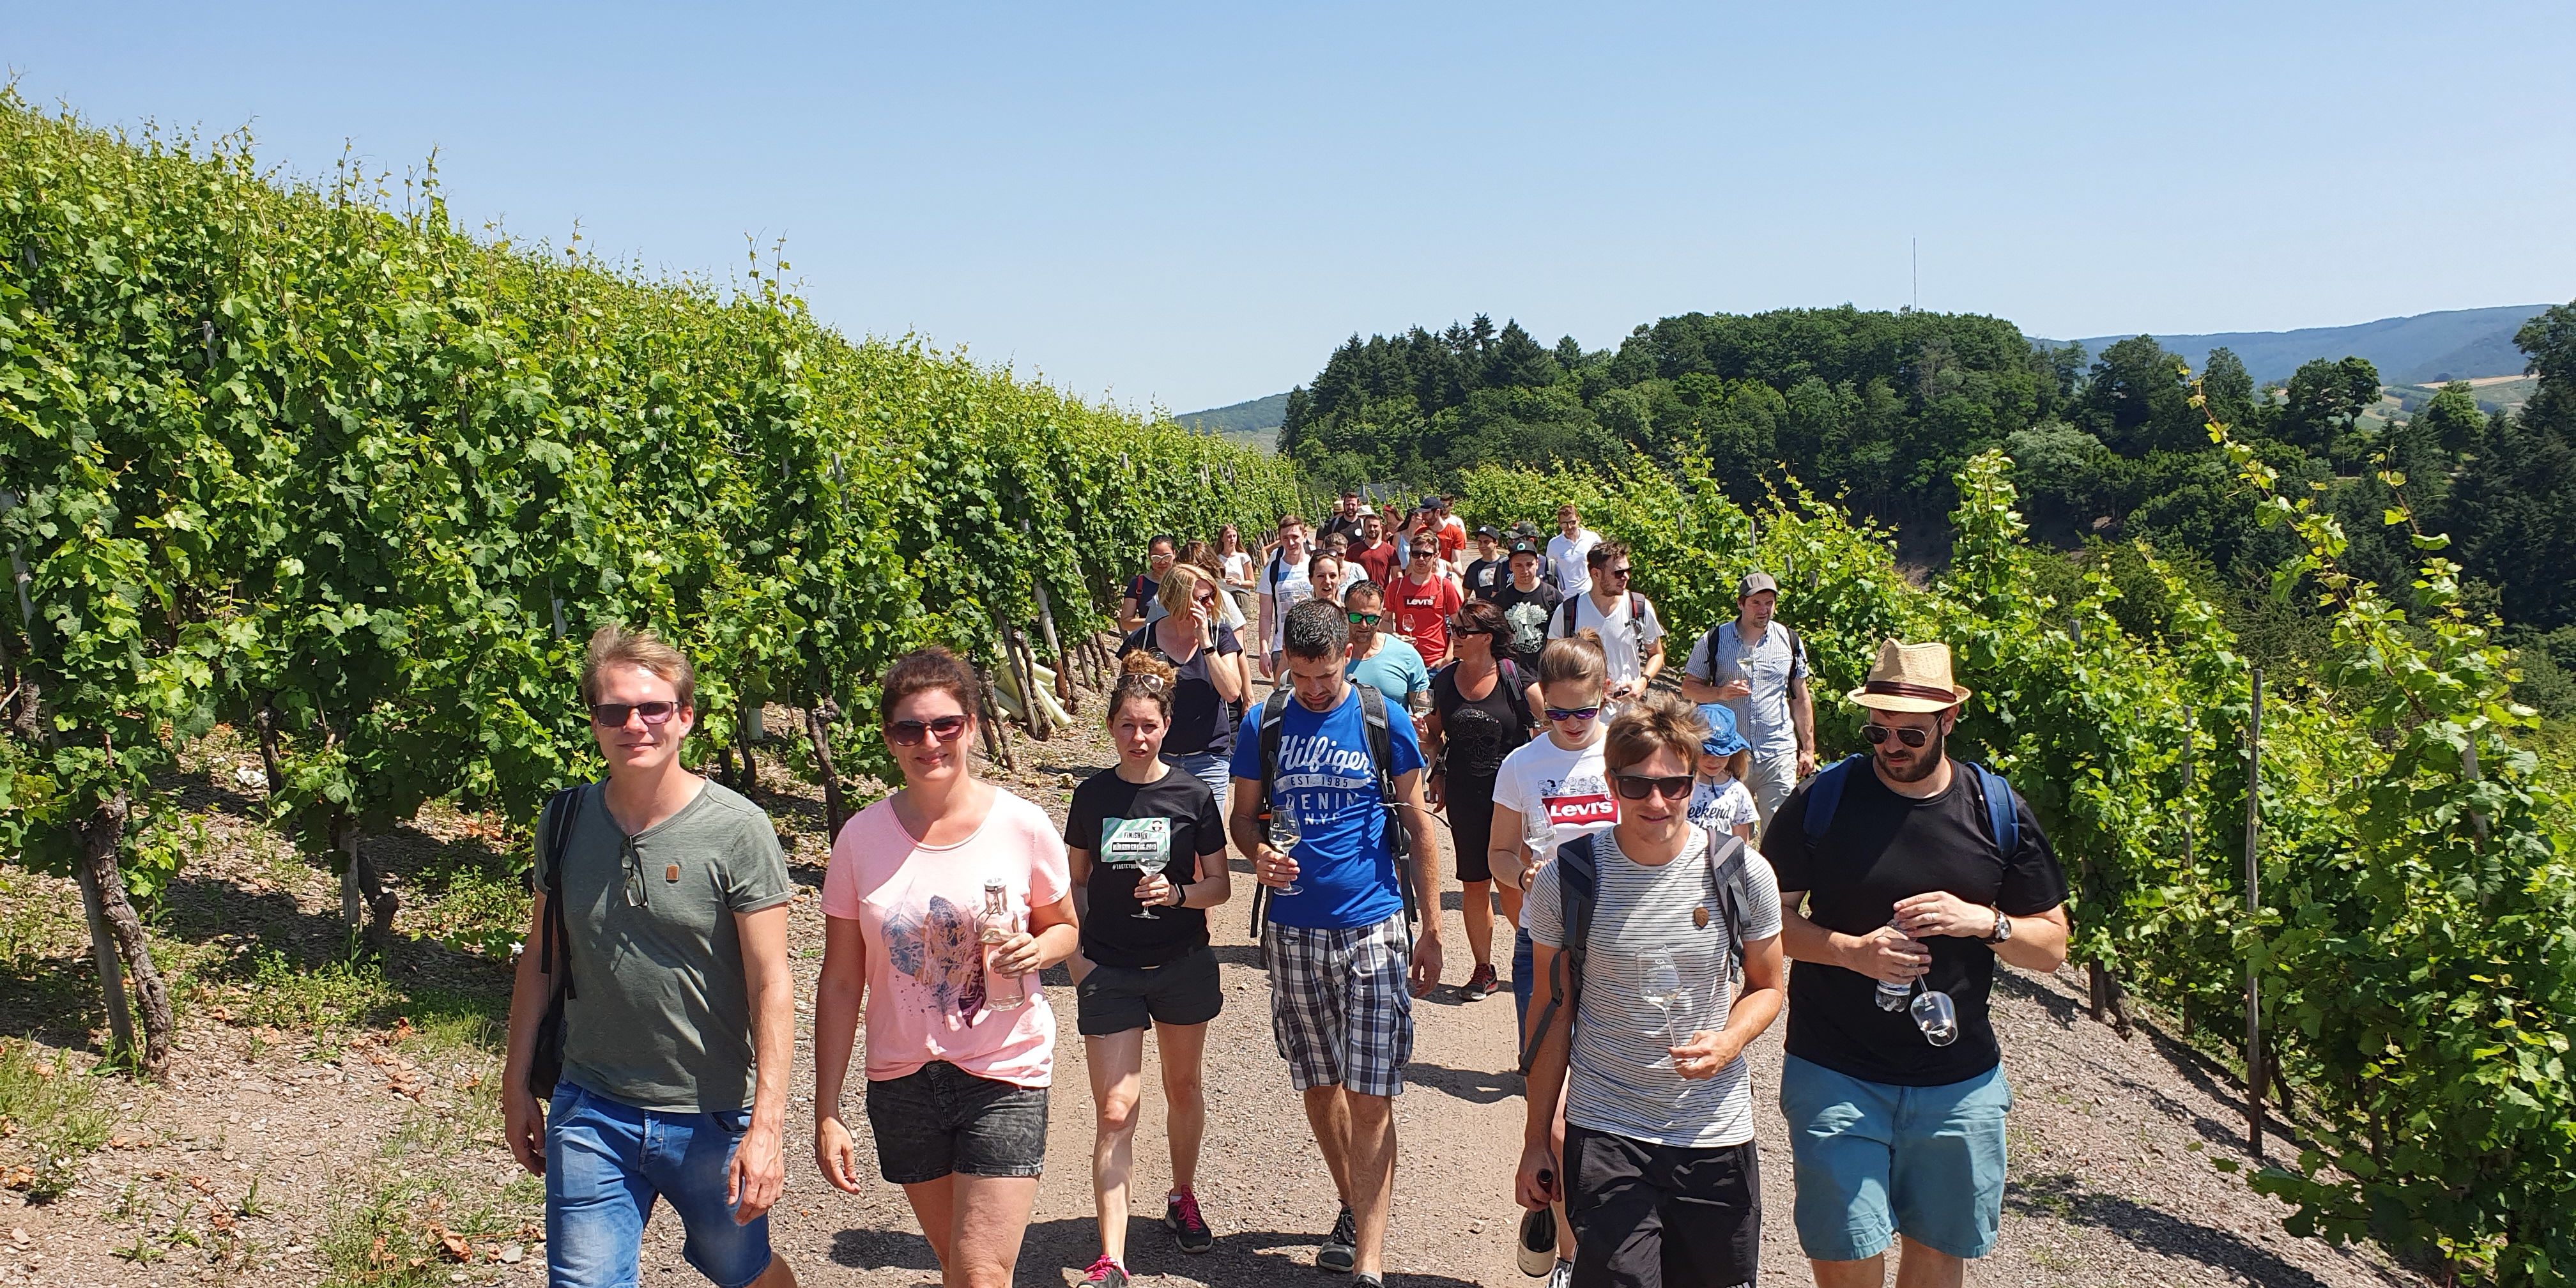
2428,348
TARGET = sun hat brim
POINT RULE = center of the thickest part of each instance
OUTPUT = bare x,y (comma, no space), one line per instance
1862,697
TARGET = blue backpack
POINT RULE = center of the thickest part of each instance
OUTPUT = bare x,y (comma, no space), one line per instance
2003,820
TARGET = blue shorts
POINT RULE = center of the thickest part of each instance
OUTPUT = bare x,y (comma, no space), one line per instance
1215,771
605,1165
1873,1161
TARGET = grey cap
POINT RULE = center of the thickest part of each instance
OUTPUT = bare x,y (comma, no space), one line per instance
1755,583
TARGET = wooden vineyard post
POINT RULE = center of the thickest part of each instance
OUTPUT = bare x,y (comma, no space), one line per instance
997,738
818,731
102,947
1064,689
2253,897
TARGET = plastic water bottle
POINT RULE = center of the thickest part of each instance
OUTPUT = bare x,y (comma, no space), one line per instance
1001,992
1892,997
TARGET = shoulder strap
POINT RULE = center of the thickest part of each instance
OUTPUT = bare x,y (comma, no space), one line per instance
1790,634
2003,821
1568,607
1825,795
554,824
1381,746
1509,676
1272,708
1725,850
1708,649
1578,881
1636,608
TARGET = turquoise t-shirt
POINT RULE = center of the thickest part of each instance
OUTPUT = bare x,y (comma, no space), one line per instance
1396,669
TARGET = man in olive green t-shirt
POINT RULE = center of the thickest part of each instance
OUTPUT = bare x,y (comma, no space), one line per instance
680,1027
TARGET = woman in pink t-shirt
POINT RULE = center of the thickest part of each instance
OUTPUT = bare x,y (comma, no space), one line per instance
957,1075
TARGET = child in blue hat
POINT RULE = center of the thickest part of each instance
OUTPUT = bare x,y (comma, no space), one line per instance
1719,800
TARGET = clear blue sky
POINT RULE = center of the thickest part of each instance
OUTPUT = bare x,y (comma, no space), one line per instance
1190,204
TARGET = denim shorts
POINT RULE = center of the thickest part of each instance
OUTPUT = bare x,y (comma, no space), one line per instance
940,1119
1874,1161
607,1162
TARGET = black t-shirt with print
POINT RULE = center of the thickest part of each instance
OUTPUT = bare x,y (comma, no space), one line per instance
1527,611
1486,576
1883,847
1115,820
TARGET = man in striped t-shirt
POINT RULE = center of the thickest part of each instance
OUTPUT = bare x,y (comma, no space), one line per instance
1658,1171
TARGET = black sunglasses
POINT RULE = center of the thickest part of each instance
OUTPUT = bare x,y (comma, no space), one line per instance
1637,787
612,715
1574,713
909,733
1877,735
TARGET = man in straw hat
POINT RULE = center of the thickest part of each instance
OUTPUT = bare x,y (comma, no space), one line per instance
1916,872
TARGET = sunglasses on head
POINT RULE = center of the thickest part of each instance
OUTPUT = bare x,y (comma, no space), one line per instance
1574,713
1637,787
1878,734
1364,619
612,715
909,733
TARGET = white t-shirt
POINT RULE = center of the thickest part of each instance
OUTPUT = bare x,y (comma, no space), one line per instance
1292,587
1620,1078
1571,787
1718,806
1568,555
1238,566
1625,637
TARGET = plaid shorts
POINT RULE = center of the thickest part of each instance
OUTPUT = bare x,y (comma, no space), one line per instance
1340,1005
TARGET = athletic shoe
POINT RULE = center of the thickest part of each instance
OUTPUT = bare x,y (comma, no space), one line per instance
1562,1276
1480,985
1107,1273
1341,1249
1189,1229
1372,1281
1538,1244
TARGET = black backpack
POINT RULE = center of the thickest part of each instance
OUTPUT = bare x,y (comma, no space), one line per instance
1381,745
1636,610
1708,645
1578,885
554,829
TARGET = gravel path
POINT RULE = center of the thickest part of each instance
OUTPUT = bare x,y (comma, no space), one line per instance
2111,1140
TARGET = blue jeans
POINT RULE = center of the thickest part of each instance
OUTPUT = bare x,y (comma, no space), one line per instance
1216,771
607,1162
1522,985
1874,1161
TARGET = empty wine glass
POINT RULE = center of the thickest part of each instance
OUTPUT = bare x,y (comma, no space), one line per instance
1148,864
1936,1016
1285,835
1659,981
1538,832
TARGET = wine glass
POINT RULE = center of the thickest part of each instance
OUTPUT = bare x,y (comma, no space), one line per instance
1659,981
1538,832
1286,833
1936,1016
1148,864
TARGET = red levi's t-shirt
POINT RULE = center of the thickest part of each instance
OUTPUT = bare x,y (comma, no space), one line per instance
1422,614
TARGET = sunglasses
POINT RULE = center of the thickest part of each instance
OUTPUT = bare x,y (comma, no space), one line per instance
1203,600
612,715
1614,572
1878,734
1365,619
1574,713
909,733
1637,787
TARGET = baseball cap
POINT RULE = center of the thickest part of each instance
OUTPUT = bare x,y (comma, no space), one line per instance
1429,503
1523,548
1487,531
1755,583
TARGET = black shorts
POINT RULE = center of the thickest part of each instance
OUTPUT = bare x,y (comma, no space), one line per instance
1654,1215
1470,806
940,1119
1115,999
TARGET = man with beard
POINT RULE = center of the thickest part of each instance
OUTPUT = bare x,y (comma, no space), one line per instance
1898,870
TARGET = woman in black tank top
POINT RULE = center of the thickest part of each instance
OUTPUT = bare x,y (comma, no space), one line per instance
1481,708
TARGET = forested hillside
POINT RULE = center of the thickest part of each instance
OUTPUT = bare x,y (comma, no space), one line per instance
1884,408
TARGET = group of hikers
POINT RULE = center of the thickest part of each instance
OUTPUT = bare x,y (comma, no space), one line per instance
1660,857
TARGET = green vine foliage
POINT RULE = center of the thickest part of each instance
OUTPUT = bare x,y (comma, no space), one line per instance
2417,914
307,453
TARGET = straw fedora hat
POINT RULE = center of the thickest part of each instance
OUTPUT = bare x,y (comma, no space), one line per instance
1910,677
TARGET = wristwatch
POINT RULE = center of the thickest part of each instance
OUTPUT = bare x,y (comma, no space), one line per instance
2002,930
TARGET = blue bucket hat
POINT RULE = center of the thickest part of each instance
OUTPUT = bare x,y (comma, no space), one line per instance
1722,740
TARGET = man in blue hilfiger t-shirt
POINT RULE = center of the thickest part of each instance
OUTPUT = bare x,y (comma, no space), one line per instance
1344,966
